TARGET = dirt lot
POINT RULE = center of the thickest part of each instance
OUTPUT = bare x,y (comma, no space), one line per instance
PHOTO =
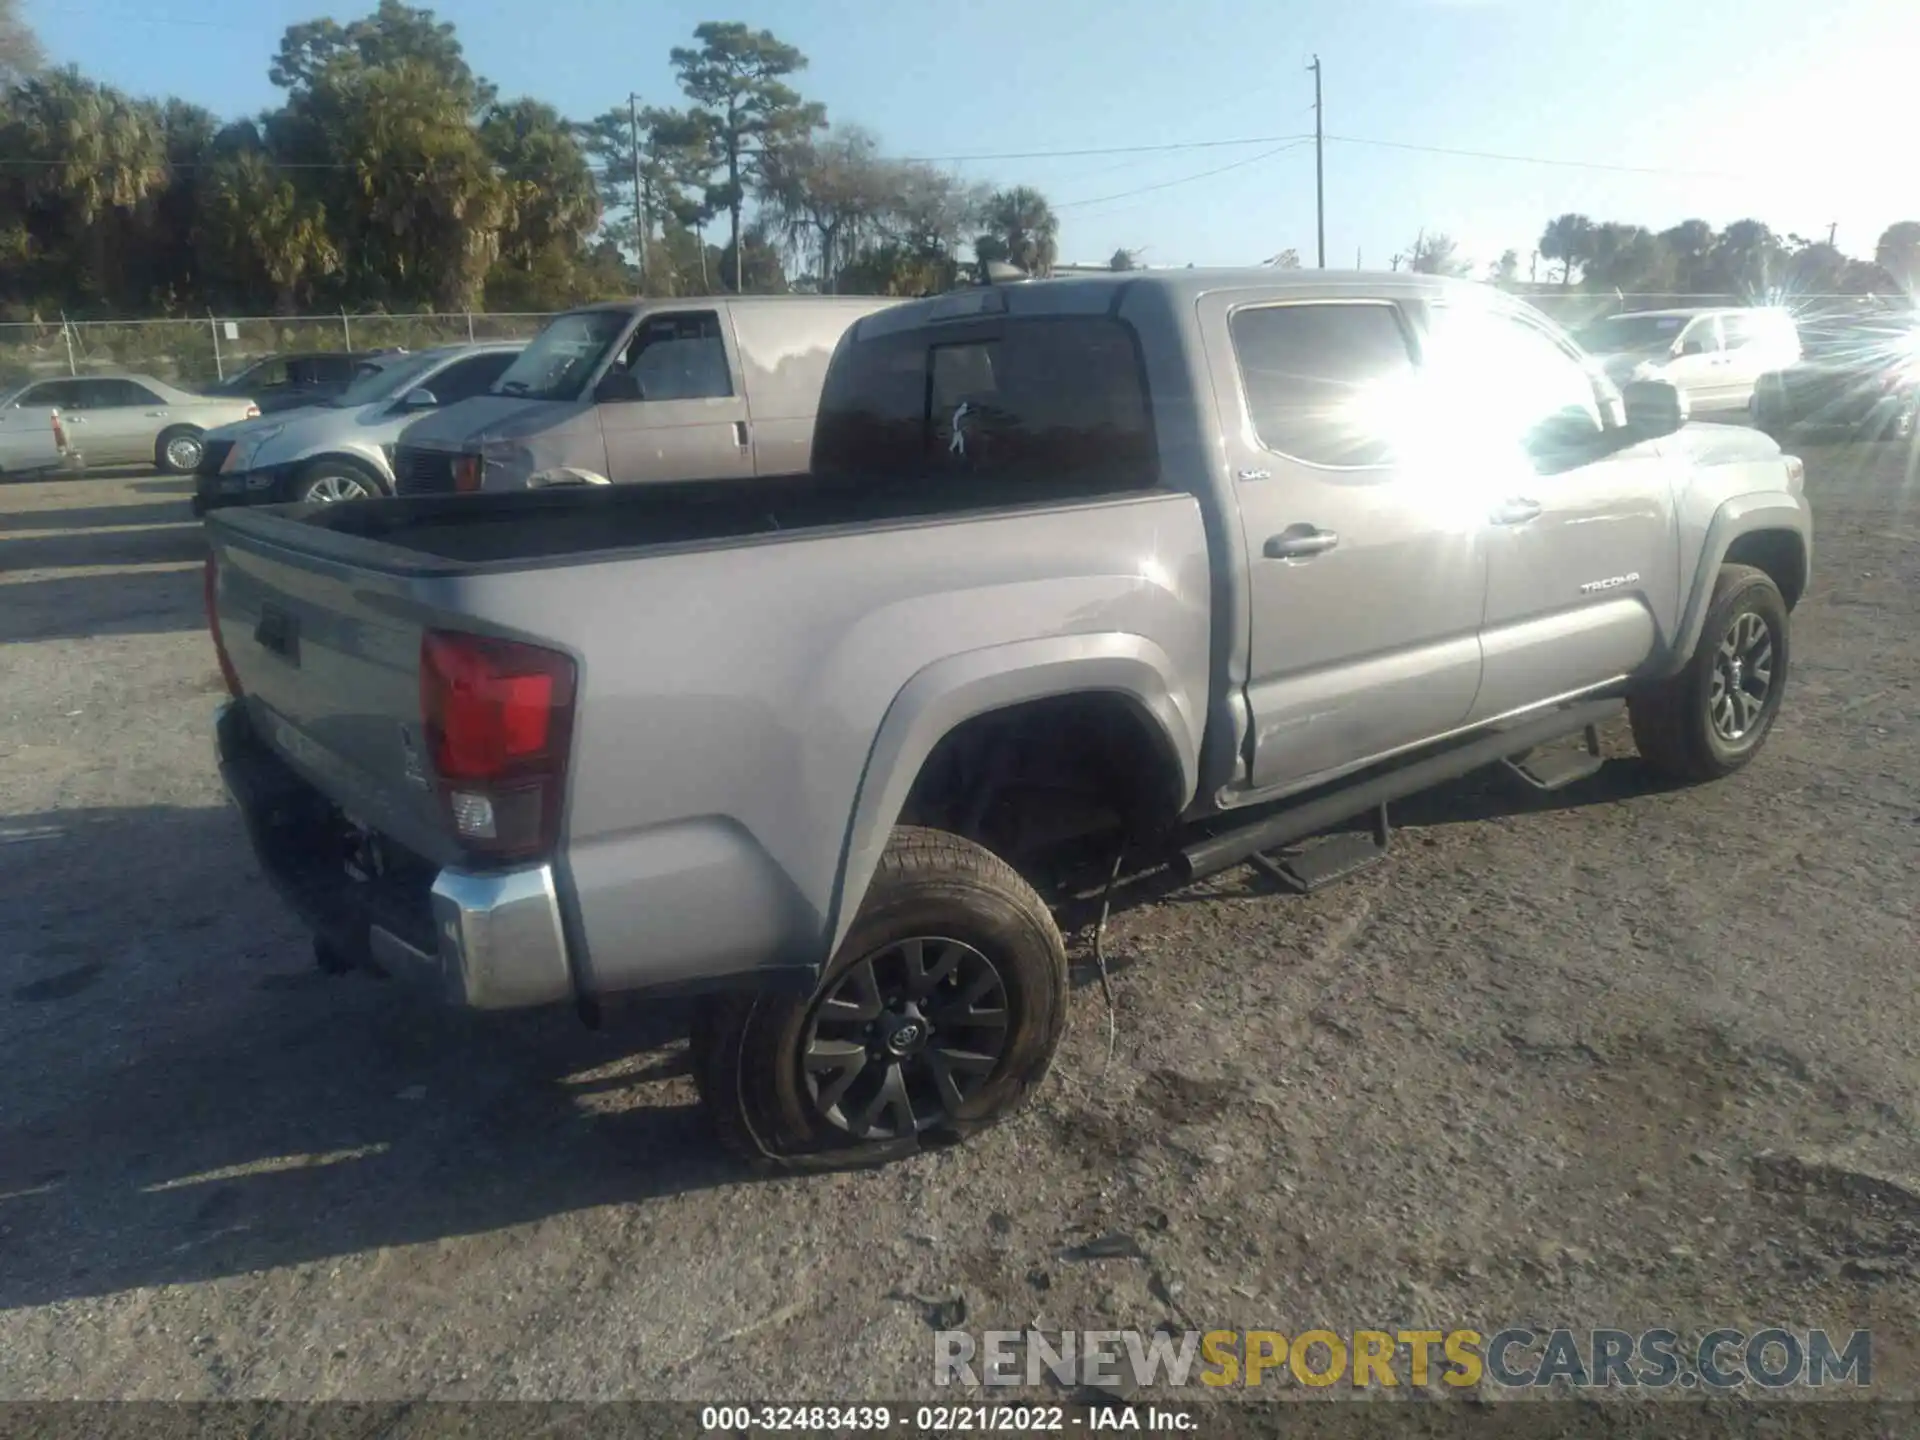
1610,1057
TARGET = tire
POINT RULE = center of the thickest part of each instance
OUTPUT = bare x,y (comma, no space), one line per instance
964,908
177,451
1681,725
329,481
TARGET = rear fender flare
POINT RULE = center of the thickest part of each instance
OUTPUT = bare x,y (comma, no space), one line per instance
1742,515
951,691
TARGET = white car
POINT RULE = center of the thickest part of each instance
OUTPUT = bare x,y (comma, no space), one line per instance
1715,356
131,419
342,449
34,441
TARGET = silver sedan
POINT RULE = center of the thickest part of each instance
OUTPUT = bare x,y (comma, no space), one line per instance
132,419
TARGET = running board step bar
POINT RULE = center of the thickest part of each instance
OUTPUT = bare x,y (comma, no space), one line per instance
1557,769
1335,858
1225,849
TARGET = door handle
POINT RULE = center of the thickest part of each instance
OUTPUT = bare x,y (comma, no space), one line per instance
740,434
1296,542
156,414
1516,512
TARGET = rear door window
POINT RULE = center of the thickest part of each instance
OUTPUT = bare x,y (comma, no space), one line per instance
122,394
332,369
1702,337
1318,378
466,378
1000,412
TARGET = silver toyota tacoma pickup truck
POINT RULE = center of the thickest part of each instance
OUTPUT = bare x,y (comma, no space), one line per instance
1190,567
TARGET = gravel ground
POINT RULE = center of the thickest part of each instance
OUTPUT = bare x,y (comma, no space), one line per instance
1615,1056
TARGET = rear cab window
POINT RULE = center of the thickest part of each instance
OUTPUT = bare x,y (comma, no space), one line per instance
1003,411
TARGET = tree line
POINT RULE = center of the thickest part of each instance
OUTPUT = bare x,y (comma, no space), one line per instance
392,177
1747,260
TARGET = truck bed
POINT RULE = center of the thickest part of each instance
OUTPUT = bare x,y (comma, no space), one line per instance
741,651
514,529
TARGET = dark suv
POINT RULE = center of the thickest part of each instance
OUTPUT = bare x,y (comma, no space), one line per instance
286,382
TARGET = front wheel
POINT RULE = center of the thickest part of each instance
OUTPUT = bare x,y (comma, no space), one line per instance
329,482
1712,718
937,1017
178,450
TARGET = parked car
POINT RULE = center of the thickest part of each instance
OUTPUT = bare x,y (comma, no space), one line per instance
1859,374
1182,566
33,441
1715,356
642,390
287,382
132,419
341,450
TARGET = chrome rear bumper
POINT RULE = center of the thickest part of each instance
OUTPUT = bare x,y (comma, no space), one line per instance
484,940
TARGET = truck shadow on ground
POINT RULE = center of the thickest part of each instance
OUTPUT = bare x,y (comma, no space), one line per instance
98,517
152,545
196,1100
79,607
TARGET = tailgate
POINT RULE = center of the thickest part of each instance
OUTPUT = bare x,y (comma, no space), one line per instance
328,653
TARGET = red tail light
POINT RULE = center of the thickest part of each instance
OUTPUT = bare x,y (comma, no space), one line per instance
253,412
227,672
499,721
466,473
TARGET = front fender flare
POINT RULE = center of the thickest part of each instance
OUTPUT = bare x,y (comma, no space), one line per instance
1741,515
951,691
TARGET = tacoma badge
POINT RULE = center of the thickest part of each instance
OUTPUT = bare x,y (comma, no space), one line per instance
1612,582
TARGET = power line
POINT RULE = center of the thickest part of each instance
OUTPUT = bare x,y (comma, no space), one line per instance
1540,159
1283,141
1182,180
1099,150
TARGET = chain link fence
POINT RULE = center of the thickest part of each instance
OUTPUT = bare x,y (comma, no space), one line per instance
198,352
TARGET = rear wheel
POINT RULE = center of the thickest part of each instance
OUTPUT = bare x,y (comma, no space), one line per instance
1713,717
938,1016
178,450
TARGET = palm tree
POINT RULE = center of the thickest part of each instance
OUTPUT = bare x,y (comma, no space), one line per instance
1568,239
1025,226
262,233
96,158
1898,252
1747,256
20,53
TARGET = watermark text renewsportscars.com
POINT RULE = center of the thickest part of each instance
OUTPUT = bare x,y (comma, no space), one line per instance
1516,1358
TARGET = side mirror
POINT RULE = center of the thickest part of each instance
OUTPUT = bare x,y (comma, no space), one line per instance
1566,430
617,385
1692,347
1654,407
420,399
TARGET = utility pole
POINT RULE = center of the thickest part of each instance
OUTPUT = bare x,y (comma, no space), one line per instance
640,217
1832,230
1319,168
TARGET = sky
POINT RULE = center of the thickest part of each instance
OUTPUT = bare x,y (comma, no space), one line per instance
1795,113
